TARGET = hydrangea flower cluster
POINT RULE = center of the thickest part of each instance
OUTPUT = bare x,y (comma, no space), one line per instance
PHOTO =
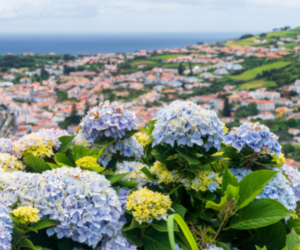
187,123
204,180
80,141
279,160
224,128
10,163
118,242
163,174
278,188
143,139
253,135
134,172
294,176
26,215
39,144
87,162
6,146
147,205
6,226
107,120
82,201
128,147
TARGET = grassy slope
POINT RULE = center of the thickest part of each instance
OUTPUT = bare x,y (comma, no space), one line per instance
250,74
256,84
165,57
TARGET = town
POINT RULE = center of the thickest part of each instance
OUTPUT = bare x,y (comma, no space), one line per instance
252,78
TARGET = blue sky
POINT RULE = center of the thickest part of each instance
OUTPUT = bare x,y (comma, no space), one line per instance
91,16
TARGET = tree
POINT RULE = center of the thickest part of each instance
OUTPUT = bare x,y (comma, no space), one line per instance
246,36
262,35
44,73
74,111
191,71
180,69
87,107
291,122
226,109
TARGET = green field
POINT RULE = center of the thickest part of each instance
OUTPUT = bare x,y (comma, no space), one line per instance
139,62
256,84
165,57
252,73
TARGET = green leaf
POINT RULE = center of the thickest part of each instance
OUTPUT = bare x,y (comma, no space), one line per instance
259,213
26,243
105,142
62,160
292,240
134,224
293,223
94,169
17,233
160,157
271,237
133,237
130,133
295,248
45,223
222,245
116,177
128,184
155,240
147,131
35,164
79,152
66,141
189,158
151,125
231,193
162,226
229,178
208,197
53,166
147,172
184,228
179,209
252,185
213,159
191,218
66,244
258,248
175,189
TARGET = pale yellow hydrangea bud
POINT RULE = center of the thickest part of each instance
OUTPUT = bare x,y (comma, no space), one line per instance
26,215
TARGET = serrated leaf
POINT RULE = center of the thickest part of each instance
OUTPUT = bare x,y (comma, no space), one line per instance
179,209
162,226
229,178
133,224
26,243
53,166
128,184
66,141
292,240
105,142
150,176
208,197
94,169
252,185
35,164
128,134
79,151
133,237
147,131
259,213
116,177
191,159
44,223
62,160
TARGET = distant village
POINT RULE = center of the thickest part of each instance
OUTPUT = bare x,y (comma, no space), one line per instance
152,79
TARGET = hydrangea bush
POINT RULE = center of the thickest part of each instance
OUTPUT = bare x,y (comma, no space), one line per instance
183,182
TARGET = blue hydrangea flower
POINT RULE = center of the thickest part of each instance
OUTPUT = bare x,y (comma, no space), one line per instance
119,242
177,247
107,120
253,135
213,247
278,188
82,201
128,147
6,226
6,146
187,123
53,134
294,176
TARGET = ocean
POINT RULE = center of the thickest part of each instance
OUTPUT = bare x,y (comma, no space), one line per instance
75,44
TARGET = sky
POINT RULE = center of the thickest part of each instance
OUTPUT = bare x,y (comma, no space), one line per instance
115,16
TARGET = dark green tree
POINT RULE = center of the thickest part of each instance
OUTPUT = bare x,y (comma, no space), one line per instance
191,71
291,122
226,109
180,69
87,107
